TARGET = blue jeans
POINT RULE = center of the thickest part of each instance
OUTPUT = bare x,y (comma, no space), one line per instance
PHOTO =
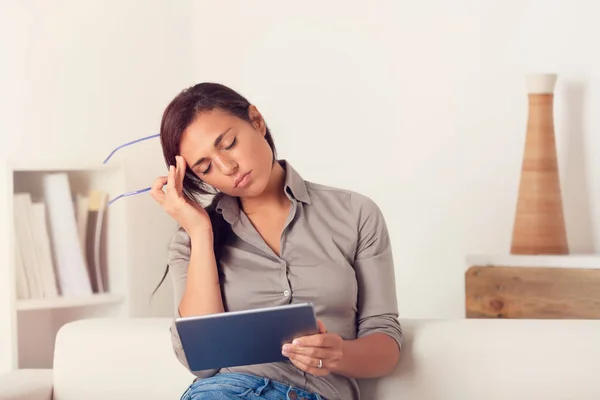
243,386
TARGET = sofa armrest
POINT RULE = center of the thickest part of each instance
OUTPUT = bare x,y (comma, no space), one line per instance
26,384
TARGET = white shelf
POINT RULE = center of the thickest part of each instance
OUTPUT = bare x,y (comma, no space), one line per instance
548,261
69,302
64,166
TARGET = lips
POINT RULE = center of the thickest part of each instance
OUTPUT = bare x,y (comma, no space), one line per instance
241,179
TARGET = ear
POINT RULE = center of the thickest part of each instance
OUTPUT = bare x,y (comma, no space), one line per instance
257,120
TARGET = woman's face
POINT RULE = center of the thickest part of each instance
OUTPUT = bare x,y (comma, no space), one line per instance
229,153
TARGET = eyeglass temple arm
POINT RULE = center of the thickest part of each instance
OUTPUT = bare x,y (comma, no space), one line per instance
129,144
120,147
129,194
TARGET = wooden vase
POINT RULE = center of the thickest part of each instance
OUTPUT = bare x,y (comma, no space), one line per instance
539,224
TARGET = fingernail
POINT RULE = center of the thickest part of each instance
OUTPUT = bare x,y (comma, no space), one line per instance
296,342
287,347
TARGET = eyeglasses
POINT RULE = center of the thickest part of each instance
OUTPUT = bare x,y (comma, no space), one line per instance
119,148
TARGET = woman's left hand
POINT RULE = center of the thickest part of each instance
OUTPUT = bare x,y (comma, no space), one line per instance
317,354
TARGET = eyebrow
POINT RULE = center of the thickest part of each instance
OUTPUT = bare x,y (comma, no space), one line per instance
218,141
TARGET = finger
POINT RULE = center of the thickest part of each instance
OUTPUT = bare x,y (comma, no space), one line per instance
313,370
179,172
156,190
322,328
307,360
171,179
314,352
318,340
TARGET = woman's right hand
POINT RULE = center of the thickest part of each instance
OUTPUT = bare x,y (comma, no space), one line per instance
191,216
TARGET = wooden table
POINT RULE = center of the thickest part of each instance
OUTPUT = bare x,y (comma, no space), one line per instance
533,287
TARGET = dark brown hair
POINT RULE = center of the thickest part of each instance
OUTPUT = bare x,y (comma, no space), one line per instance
178,115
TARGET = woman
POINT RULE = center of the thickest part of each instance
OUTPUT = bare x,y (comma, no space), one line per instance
271,238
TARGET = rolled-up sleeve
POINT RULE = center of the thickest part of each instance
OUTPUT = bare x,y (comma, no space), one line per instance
377,301
179,259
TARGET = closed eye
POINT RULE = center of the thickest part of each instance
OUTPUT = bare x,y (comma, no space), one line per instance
230,146
207,170
233,142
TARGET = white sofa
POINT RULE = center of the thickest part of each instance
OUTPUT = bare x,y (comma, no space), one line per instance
461,359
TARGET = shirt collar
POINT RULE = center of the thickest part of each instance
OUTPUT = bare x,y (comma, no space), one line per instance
295,189
295,186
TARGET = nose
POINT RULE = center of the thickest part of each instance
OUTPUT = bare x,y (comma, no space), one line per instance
226,165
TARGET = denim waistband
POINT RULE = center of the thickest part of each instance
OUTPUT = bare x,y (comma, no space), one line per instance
223,385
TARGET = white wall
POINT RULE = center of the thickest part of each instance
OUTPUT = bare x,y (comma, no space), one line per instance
420,105
76,80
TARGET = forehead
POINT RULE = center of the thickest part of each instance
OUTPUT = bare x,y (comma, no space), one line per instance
200,135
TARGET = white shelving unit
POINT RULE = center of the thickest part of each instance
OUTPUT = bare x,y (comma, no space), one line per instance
32,324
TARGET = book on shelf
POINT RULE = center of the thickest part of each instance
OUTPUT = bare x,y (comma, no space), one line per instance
58,246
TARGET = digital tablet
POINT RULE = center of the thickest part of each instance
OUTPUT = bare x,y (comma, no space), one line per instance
248,337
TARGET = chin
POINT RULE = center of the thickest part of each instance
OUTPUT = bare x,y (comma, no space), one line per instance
256,187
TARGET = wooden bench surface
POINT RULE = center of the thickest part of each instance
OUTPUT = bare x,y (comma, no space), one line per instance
532,292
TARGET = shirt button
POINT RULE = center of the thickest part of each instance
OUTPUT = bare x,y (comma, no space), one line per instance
286,293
